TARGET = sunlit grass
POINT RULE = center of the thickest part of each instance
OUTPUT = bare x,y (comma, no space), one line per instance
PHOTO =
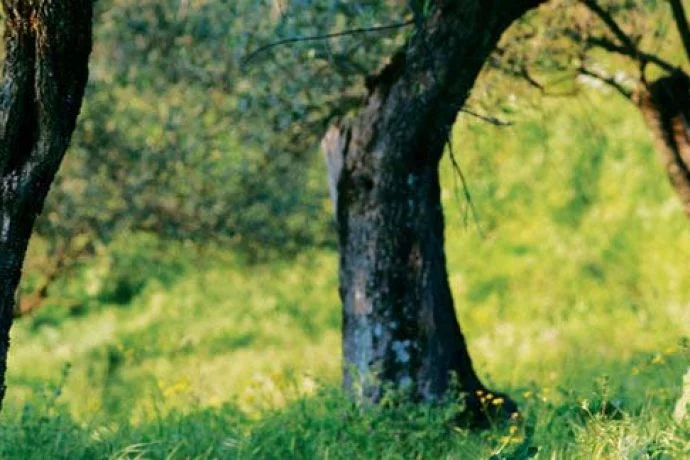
574,298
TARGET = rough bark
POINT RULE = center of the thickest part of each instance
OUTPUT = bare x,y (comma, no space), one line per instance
665,104
47,45
400,328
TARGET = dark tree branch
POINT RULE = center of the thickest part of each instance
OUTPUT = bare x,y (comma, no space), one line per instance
487,118
642,57
607,18
525,73
344,33
65,260
681,21
518,69
465,187
609,81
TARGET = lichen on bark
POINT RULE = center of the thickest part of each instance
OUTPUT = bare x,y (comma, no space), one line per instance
399,324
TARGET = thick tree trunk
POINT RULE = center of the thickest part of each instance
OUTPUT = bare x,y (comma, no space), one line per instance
665,104
400,328
47,45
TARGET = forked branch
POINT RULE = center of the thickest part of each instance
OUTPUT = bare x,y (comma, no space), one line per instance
640,56
626,46
606,17
610,81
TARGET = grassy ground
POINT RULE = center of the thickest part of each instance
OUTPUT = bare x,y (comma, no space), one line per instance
572,291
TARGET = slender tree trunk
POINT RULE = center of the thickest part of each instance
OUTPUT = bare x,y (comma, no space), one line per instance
400,328
47,45
665,104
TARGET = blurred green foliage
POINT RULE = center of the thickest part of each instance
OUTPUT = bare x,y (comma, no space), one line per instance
181,138
571,292
564,49
580,312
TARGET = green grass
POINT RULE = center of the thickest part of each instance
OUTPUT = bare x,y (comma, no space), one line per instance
574,297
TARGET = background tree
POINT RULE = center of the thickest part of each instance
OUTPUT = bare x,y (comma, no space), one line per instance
184,141
47,46
633,48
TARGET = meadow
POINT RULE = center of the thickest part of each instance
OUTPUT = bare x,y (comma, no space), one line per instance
571,286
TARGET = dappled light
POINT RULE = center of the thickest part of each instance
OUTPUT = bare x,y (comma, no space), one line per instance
202,284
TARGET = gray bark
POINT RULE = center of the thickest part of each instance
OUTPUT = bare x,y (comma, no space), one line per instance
399,327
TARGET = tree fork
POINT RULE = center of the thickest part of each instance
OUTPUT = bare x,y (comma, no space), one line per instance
45,72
